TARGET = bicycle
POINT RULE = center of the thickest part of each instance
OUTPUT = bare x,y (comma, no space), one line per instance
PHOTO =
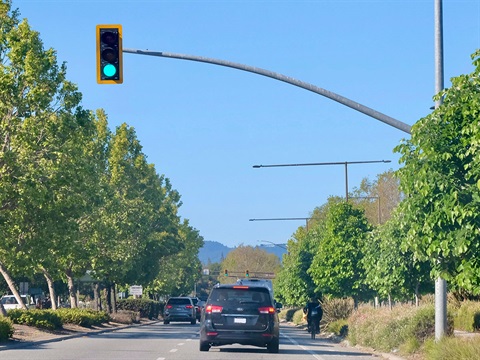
312,329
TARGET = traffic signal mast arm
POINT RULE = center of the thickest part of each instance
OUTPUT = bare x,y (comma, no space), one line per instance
331,95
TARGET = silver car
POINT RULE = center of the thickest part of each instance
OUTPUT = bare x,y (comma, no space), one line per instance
179,309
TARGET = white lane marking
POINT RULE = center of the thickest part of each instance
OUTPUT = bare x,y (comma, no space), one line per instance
189,339
294,342
161,359
173,350
180,344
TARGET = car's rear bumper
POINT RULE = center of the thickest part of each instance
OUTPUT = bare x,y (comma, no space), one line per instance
179,317
224,337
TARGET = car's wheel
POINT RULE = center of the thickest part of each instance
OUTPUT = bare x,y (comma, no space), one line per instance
193,322
273,345
204,346
166,322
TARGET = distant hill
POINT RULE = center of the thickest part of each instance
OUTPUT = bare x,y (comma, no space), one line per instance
214,251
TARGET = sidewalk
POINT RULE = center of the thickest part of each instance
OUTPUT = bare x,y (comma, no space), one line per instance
25,336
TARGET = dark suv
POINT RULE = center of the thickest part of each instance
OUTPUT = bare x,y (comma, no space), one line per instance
239,314
198,309
179,309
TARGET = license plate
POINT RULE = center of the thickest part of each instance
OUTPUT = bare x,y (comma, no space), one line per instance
240,321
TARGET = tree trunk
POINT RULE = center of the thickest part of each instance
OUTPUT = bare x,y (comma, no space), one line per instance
71,289
97,305
51,289
114,298
355,303
108,298
390,302
11,285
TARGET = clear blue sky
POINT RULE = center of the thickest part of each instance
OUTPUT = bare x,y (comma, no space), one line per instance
204,126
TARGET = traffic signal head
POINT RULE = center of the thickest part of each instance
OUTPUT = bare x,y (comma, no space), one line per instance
109,54
247,274
226,272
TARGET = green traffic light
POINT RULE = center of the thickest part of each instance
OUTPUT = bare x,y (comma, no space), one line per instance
109,70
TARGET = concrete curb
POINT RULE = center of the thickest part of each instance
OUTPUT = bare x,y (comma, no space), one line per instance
10,345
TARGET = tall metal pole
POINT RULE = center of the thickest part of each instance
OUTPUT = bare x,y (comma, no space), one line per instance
440,284
346,181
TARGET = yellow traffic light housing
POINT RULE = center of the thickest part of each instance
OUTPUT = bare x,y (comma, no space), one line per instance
109,54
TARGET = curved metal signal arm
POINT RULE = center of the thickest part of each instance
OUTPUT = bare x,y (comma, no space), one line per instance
331,95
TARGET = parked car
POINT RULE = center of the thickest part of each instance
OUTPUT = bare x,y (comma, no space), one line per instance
179,309
10,302
198,308
240,314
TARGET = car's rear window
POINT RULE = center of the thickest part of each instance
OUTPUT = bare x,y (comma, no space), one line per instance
179,301
247,295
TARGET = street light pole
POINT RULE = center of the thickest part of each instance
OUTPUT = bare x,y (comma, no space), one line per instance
440,284
345,163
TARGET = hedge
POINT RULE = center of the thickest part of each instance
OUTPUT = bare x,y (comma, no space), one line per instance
147,308
6,328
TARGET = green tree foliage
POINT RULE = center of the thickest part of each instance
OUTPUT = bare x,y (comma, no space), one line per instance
73,195
138,223
440,180
336,267
44,173
180,271
207,282
253,259
293,284
391,271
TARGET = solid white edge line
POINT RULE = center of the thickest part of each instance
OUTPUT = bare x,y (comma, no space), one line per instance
294,342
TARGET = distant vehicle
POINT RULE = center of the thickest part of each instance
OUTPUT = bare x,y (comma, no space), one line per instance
257,282
198,307
10,302
179,309
240,314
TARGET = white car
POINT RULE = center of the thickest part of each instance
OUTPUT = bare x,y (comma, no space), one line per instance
10,302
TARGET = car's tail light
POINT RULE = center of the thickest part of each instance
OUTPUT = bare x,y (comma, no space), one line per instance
210,309
169,306
212,333
189,307
266,310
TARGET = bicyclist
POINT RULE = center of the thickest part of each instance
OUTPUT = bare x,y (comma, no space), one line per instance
314,313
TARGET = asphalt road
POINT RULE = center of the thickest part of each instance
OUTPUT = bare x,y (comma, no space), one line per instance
179,341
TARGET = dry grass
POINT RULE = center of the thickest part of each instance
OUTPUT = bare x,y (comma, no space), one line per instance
453,349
